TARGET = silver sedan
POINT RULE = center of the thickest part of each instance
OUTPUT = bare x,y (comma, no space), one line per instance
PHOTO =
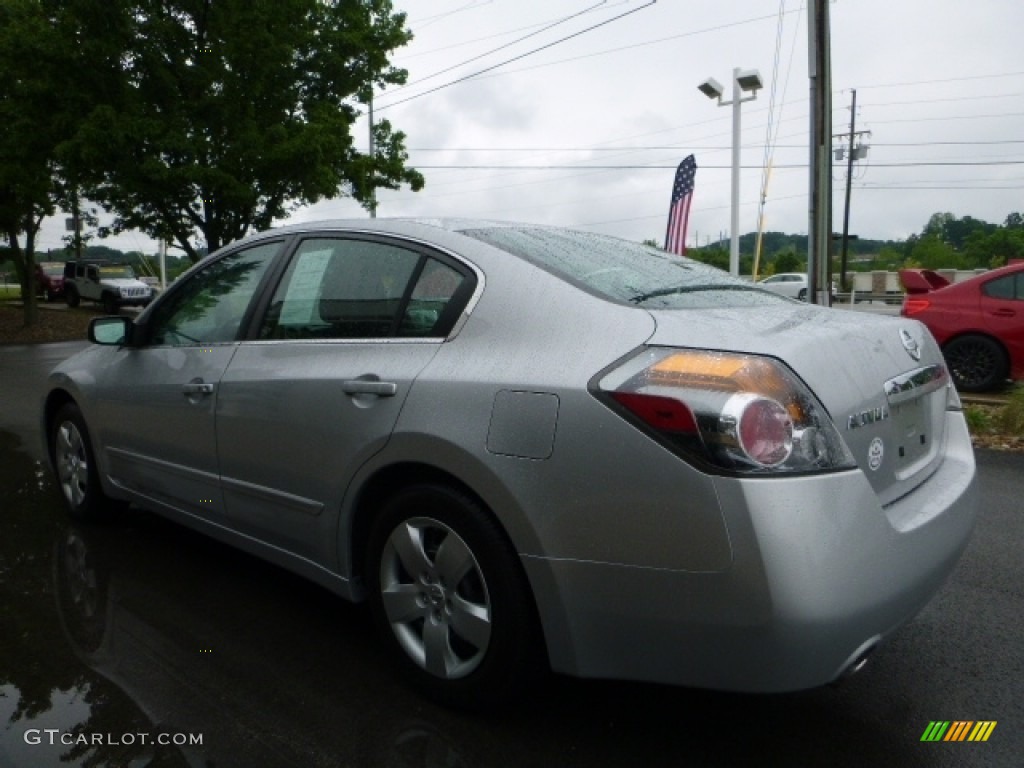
530,448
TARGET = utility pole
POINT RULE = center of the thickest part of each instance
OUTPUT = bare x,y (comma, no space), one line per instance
373,189
819,233
76,219
852,153
163,264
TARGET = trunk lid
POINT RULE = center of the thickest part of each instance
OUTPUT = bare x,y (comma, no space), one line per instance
882,379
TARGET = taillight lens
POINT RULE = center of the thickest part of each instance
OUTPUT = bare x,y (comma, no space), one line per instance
912,306
741,413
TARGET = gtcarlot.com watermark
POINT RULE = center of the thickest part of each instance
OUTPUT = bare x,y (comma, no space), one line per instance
52,736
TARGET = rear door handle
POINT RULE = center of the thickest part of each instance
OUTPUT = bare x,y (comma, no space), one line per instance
197,388
1004,313
365,387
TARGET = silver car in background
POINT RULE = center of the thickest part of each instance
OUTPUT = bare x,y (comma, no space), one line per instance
531,448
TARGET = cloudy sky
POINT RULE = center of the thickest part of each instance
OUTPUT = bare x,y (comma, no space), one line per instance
582,109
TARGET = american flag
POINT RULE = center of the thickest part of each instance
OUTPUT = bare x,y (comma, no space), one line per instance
679,212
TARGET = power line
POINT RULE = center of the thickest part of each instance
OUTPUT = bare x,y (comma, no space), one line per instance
554,24
947,117
484,167
403,57
519,57
643,44
952,98
427,21
690,146
943,81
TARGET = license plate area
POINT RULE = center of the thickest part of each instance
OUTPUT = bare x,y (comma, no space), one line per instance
917,404
913,435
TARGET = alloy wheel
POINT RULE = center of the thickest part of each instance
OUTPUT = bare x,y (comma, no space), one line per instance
72,463
434,596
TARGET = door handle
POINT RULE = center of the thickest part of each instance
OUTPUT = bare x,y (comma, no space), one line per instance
197,388
1004,313
366,387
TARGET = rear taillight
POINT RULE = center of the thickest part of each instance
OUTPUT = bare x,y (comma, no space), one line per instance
743,413
911,306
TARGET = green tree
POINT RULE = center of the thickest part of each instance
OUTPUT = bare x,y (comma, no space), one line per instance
931,252
30,130
996,249
213,118
954,231
715,256
787,261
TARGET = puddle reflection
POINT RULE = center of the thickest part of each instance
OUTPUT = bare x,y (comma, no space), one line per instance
116,638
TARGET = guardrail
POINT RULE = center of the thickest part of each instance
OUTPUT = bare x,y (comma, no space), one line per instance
857,297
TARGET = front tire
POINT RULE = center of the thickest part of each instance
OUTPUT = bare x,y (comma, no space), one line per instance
976,363
110,305
449,597
75,462
71,297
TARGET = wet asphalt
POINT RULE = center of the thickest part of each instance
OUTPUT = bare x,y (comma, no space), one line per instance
135,631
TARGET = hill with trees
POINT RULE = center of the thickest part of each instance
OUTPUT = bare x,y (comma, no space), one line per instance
945,242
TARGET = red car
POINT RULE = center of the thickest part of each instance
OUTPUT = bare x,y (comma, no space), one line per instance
50,279
979,323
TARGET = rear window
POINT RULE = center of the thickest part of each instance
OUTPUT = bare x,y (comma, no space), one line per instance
623,271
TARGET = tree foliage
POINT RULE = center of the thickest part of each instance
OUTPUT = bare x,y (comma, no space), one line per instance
213,118
30,131
945,242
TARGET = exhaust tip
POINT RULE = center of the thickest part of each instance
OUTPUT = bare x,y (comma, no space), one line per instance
857,661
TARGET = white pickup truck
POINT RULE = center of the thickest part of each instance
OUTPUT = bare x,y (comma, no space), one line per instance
112,285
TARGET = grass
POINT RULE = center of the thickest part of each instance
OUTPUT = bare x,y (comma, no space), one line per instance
1010,419
998,426
10,292
55,324
979,418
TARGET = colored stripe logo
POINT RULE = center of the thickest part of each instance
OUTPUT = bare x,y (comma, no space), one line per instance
958,730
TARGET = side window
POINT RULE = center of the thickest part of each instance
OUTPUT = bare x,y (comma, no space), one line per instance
209,307
1009,287
337,288
424,315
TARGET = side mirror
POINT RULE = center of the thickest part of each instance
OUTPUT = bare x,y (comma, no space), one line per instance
110,331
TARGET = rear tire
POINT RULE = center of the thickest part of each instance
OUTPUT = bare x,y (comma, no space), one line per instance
976,363
450,600
75,463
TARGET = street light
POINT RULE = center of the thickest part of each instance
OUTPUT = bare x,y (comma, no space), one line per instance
748,80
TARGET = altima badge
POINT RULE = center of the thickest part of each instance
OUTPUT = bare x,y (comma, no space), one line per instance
863,418
910,344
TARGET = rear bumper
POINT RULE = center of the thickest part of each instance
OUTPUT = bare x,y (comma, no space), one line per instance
820,574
